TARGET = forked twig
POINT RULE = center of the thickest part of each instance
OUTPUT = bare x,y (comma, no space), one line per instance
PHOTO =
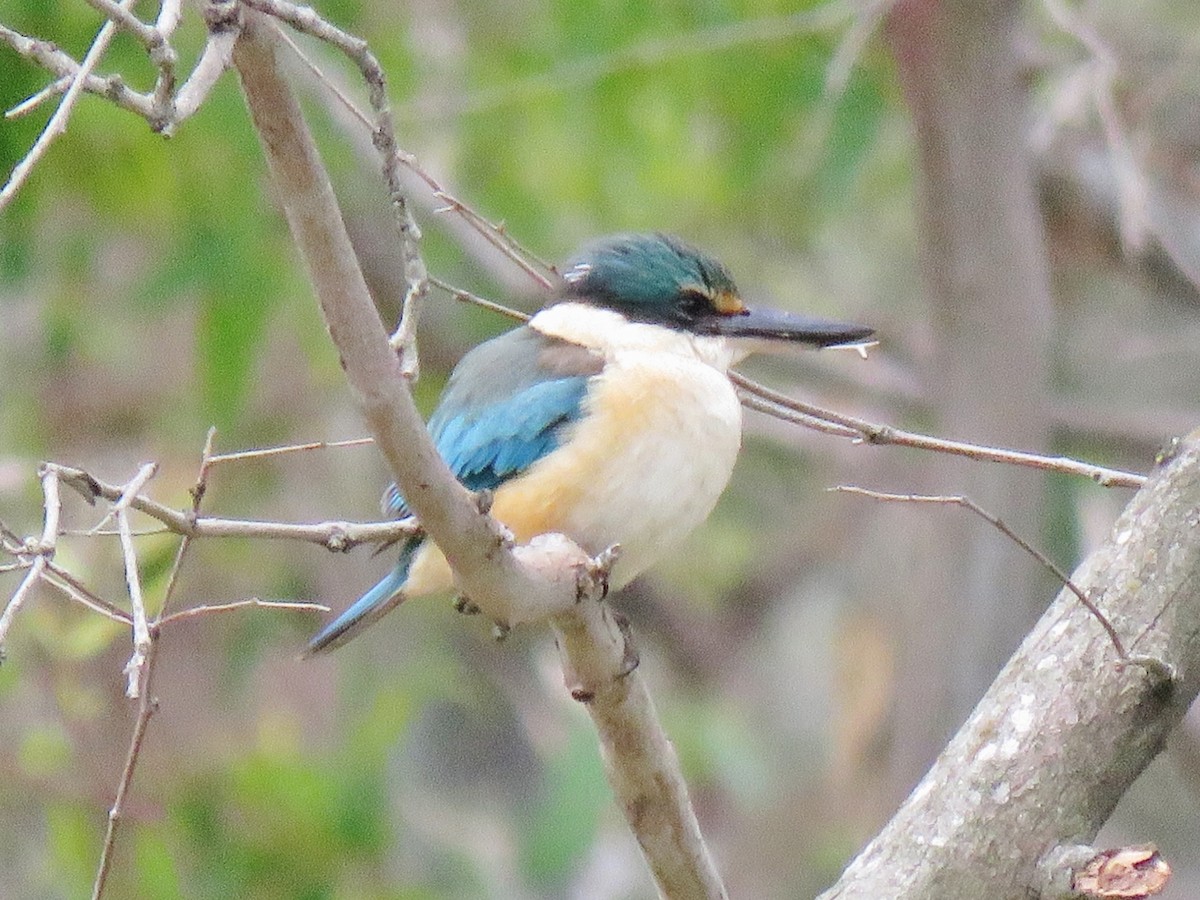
58,122
42,550
134,669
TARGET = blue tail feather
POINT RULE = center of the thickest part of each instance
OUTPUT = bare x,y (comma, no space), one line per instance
368,608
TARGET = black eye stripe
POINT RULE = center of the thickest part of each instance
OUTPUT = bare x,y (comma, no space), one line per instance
696,299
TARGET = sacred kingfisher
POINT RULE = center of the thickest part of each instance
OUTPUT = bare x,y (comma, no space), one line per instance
608,417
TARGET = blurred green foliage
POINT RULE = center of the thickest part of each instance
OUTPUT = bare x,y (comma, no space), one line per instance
149,289
155,292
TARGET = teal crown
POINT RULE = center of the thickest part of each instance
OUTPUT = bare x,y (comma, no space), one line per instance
650,278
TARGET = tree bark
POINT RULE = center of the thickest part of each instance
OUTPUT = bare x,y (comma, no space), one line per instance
1066,727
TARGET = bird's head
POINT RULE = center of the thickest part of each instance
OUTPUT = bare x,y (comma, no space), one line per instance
660,280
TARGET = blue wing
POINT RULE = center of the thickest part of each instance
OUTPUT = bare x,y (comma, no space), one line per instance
504,408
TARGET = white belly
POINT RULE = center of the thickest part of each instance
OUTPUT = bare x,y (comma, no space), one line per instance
653,454
646,462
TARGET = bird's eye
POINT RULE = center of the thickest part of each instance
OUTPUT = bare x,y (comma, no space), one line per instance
695,302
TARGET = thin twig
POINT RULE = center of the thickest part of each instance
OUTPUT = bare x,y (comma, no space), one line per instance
58,122
194,612
998,524
42,550
334,535
224,25
120,15
158,48
416,277
66,69
72,587
243,455
797,418
29,104
198,491
494,233
147,706
872,433
467,297
147,702
135,668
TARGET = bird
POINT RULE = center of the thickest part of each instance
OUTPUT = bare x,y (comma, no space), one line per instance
608,416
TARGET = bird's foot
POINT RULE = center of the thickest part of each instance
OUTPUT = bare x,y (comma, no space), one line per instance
484,498
629,658
592,578
465,605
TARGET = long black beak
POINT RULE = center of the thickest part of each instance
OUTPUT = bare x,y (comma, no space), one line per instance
776,325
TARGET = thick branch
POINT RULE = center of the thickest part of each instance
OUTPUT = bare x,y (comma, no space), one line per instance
1064,730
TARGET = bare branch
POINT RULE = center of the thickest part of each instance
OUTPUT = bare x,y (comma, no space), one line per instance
147,706
195,612
134,669
1062,732
600,668
338,536
223,27
242,455
467,297
493,233
871,433
121,16
58,122
72,587
42,550
527,582
32,102
503,586
69,72
147,703
998,524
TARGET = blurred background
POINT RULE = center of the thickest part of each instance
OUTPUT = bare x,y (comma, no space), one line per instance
1010,199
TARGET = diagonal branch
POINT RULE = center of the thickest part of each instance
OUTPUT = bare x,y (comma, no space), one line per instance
1065,729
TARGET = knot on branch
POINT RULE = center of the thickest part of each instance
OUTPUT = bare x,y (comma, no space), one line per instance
1075,871
339,539
222,16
